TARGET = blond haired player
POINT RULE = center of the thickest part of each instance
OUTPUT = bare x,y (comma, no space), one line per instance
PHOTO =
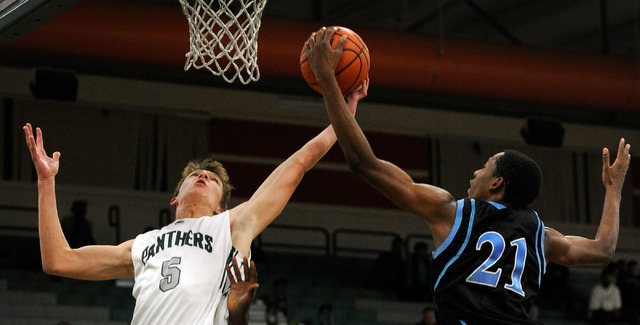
180,269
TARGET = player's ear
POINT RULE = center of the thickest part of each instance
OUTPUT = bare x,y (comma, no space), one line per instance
174,201
497,183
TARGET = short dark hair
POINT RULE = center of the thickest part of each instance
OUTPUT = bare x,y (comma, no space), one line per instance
522,178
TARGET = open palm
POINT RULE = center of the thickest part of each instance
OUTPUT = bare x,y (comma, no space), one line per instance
243,286
613,175
47,167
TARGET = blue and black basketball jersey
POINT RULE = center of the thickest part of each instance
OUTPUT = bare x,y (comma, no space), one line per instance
488,270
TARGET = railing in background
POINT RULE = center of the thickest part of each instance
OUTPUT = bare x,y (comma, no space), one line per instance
360,237
413,239
304,245
21,209
164,217
114,221
341,241
19,237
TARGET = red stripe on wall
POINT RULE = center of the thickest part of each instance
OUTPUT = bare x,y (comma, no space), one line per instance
274,140
263,142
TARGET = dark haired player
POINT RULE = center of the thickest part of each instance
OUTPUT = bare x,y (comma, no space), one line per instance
491,249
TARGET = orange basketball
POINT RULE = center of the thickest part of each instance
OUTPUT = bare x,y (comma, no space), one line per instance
353,67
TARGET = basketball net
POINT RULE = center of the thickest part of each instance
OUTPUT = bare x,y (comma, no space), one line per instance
223,37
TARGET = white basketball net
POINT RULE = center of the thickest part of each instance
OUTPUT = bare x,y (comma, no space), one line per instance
223,37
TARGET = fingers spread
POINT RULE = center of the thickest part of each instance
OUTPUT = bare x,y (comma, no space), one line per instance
320,33
245,266
343,40
623,149
232,279
605,158
328,34
253,277
27,130
39,137
236,270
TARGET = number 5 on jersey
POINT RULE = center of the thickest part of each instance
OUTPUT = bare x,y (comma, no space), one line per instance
170,274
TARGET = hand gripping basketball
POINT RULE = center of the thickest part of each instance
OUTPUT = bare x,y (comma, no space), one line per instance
353,67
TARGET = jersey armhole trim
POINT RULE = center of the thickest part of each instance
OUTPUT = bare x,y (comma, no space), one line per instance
463,246
454,230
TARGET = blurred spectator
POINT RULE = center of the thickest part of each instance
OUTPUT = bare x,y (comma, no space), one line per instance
76,228
626,273
555,293
419,266
325,315
621,272
605,301
630,291
390,269
428,316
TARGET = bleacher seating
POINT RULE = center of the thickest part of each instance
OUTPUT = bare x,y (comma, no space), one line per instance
316,281
300,285
34,298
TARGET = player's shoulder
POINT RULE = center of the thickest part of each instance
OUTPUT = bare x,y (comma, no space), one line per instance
478,207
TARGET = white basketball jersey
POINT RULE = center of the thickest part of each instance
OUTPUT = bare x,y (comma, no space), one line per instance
180,275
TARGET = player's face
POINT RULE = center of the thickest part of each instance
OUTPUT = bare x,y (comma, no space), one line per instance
482,180
201,187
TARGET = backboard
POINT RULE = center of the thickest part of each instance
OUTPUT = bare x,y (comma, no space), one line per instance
20,17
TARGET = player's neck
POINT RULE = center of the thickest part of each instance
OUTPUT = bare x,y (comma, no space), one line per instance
192,211
496,197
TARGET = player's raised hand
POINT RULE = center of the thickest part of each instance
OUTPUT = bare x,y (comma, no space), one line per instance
613,175
47,167
242,291
323,59
353,98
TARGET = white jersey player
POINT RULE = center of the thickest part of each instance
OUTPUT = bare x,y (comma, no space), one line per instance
183,264
177,276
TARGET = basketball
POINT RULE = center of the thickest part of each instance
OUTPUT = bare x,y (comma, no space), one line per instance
353,67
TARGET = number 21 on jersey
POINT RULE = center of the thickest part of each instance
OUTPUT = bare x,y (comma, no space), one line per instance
483,276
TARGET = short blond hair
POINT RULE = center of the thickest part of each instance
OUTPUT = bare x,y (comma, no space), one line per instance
213,166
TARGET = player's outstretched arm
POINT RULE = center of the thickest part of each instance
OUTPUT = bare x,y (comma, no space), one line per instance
576,250
432,203
243,289
90,262
250,218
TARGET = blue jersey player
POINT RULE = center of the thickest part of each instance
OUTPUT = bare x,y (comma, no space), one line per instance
490,248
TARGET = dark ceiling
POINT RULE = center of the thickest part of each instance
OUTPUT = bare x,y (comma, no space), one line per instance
610,28
594,26
603,26
606,28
